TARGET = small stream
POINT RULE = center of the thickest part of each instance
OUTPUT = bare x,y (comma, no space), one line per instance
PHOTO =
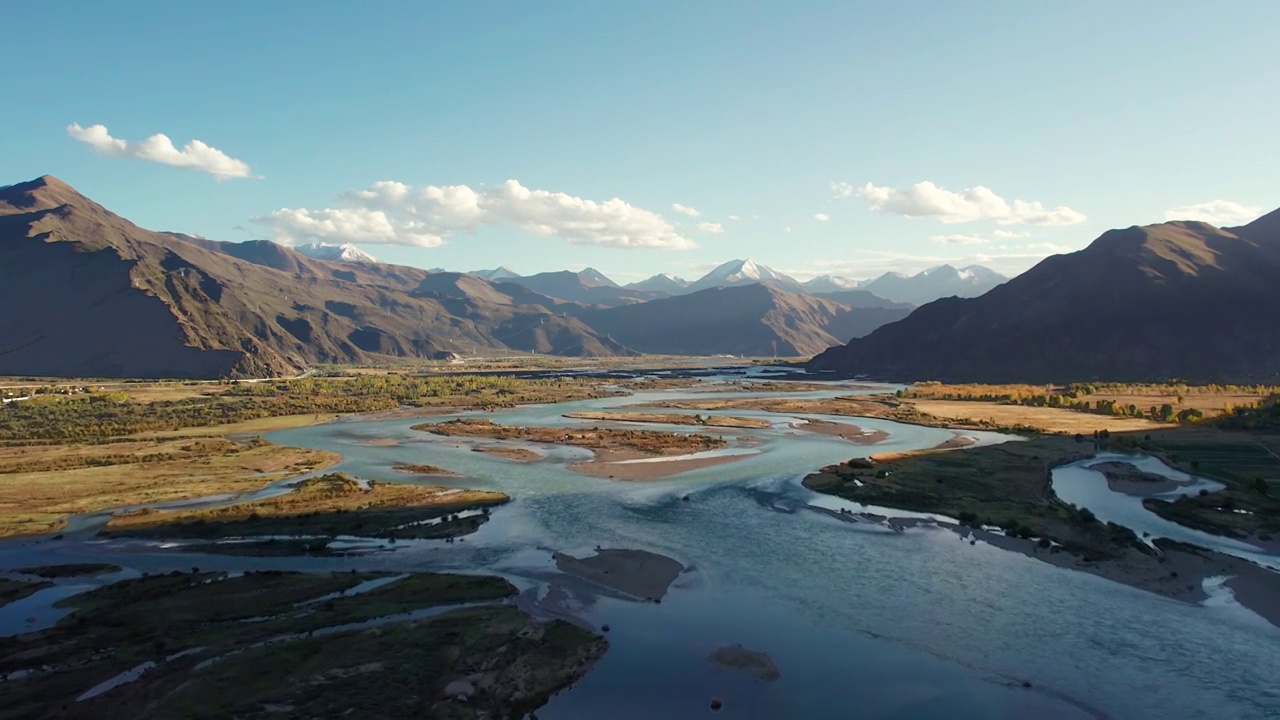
1078,484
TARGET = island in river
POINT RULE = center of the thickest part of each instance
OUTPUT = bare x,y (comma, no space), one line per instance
619,454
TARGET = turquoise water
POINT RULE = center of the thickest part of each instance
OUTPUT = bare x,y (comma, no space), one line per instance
861,621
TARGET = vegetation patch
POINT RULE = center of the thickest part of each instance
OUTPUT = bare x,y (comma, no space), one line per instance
12,590
644,442
69,570
274,644
325,506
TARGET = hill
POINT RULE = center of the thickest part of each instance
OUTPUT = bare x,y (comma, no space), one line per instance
102,297
754,319
1176,300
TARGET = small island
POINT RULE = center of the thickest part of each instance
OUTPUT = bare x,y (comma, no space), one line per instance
618,453
325,506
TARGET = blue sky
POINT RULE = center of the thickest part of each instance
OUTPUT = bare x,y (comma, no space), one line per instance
762,117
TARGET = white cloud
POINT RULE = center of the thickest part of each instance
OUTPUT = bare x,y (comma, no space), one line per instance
711,227
786,229
1008,234
1222,213
395,213
821,217
842,189
959,239
924,199
735,217
159,148
685,210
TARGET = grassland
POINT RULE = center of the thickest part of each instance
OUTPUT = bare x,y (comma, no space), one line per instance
274,644
325,506
84,447
41,485
1045,419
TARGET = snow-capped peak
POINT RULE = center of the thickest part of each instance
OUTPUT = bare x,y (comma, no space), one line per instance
345,252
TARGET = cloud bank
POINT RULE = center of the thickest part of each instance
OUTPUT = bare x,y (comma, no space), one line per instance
159,148
925,199
394,213
1222,213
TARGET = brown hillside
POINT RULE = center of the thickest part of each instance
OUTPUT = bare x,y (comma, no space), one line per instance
1176,300
89,293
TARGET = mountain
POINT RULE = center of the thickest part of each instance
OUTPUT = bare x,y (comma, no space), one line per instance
829,284
862,299
1176,300
499,273
661,283
938,282
743,272
345,252
753,319
102,297
588,286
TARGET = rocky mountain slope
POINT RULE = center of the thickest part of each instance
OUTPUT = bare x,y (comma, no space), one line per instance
100,296
1175,300
753,319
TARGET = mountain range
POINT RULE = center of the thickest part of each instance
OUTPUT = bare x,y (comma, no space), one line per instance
102,297
1183,300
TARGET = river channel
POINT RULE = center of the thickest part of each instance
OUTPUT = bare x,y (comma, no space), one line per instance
862,622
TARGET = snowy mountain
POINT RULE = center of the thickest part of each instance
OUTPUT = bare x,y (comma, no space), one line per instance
662,282
499,273
829,284
934,283
743,272
337,253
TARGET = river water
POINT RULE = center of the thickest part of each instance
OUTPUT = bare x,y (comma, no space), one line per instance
862,622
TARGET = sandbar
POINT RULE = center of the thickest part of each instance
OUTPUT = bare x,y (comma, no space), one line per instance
425,470
522,455
852,433
638,573
724,421
615,466
1124,478
751,662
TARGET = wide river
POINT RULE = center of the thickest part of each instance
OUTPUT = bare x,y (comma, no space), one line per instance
862,622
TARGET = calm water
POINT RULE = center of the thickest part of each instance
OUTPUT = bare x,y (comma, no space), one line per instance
862,622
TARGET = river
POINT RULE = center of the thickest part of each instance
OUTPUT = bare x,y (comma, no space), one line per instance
862,622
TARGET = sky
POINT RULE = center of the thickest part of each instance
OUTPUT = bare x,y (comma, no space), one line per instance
849,138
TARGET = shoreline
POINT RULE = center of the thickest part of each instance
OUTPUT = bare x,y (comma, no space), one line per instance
1177,571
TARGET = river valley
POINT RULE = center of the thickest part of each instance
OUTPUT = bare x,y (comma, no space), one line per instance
861,620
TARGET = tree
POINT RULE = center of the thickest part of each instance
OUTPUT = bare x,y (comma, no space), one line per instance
1262,486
